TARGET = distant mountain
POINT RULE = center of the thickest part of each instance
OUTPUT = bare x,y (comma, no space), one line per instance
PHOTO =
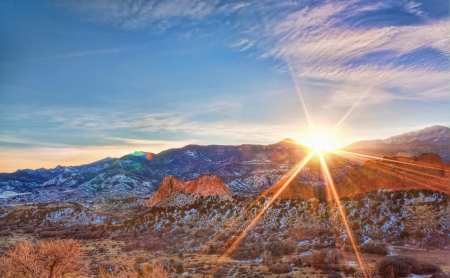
433,139
173,190
245,169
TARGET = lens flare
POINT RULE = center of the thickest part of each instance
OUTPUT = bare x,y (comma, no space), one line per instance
331,187
238,240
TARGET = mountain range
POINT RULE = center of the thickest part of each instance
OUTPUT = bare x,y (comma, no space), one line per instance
433,139
245,169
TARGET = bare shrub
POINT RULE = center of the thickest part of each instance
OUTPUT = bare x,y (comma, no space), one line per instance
156,271
203,233
399,266
131,246
440,274
153,246
425,268
280,268
54,258
280,248
375,248
221,272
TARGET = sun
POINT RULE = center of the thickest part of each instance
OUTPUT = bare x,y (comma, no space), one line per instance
320,142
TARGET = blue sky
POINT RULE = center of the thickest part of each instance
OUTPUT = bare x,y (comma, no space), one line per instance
82,80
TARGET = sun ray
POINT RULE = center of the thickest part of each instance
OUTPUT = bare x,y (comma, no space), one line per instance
418,179
387,159
299,167
302,100
332,188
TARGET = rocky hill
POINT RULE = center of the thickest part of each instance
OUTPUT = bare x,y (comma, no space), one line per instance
245,169
426,171
433,139
174,191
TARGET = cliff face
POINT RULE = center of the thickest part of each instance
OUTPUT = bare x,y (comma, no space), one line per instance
426,171
204,186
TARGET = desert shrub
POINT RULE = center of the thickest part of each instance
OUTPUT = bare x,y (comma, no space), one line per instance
153,246
5,233
140,259
327,259
399,266
321,245
389,267
425,268
178,231
247,251
410,260
221,272
302,233
280,248
420,234
131,246
203,233
280,268
349,271
375,248
440,274
334,274
404,234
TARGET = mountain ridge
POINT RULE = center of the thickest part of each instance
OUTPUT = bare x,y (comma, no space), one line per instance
246,169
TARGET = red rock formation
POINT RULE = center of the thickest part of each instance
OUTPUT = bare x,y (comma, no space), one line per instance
293,190
205,185
427,171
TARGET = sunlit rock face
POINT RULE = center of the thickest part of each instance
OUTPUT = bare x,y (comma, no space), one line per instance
426,171
204,186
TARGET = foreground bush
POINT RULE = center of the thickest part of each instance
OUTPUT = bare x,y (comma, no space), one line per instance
397,266
425,268
52,259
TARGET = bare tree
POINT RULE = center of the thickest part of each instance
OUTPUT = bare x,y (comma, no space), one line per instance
46,259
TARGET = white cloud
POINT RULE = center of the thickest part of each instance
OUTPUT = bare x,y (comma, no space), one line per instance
133,14
318,44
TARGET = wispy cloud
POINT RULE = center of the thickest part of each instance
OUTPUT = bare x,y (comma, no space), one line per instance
131,14
91,52
318,42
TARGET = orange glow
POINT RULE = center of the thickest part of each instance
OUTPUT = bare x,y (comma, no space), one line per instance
330,185
418,179
298,168
390,160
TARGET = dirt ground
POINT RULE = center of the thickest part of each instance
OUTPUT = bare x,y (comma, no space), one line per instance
108,252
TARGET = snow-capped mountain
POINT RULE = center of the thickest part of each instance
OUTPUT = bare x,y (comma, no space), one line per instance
245,169
433,139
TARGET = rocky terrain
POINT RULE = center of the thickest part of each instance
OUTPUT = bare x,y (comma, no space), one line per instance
173,191
245,169
216,214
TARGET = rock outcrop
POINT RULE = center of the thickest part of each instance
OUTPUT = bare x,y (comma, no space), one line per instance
426,171
204,186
